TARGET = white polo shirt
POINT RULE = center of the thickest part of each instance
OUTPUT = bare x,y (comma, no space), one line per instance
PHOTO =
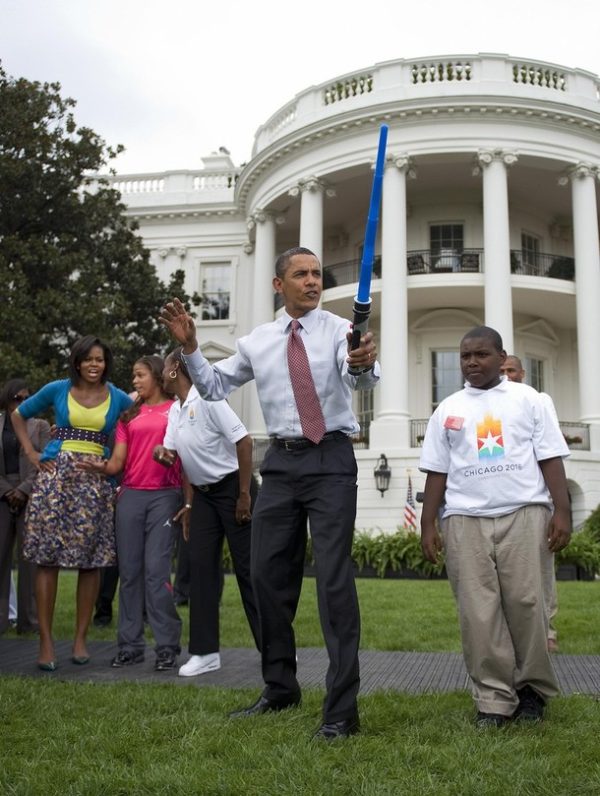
204,435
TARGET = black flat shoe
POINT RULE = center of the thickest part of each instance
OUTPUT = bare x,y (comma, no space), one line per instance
330,730
265,705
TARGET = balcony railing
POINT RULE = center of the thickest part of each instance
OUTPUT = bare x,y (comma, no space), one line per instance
577,435
417,432
441,261
541,264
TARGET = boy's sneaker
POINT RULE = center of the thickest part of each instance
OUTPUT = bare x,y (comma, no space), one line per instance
484,720
126,658
199,664
531,705
166,660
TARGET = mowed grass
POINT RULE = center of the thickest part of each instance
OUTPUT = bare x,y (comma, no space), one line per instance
123,738
416,615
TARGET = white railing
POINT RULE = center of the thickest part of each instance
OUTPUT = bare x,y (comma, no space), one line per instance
463,76
199,181
539,75
441,71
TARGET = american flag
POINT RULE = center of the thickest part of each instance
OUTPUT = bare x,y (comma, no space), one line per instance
410,508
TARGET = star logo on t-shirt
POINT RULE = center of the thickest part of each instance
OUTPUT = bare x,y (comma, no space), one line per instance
490,444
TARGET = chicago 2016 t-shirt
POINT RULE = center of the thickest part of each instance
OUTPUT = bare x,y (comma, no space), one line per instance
489,442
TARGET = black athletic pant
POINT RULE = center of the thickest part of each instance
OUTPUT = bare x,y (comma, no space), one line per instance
212,520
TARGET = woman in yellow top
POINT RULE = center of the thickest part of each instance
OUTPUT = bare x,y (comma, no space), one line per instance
69,520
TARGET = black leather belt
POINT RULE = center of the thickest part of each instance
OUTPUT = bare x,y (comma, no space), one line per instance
298,443
212,487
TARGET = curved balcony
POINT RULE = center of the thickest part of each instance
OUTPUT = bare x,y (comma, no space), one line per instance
444,261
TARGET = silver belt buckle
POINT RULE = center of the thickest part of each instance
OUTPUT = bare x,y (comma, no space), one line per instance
204,488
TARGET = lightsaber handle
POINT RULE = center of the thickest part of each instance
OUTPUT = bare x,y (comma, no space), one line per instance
360,326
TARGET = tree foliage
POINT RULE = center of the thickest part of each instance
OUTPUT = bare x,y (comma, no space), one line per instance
70,260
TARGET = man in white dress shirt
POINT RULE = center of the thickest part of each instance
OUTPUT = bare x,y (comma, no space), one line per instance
514,371
301,480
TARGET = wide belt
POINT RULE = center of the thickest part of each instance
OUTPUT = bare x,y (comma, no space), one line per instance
299,443
80,435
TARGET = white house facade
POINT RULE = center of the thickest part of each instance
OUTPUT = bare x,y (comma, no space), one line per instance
489,215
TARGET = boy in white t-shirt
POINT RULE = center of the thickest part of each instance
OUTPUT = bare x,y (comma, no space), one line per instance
493,455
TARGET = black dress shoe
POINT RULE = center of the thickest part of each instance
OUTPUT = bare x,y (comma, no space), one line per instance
265,705
330,730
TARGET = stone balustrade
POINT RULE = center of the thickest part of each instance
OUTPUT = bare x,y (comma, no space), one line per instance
450,78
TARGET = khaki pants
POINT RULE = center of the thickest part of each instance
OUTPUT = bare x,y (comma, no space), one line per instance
496,567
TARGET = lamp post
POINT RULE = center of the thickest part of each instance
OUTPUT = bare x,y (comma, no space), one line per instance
382,473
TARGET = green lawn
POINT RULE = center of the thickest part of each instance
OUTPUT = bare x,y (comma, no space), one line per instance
67,738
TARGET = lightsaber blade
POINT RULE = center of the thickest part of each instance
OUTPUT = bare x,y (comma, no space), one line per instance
362,300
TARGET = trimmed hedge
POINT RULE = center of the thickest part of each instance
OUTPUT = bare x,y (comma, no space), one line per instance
401,552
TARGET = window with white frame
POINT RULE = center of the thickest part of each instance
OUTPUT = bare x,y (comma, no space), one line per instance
446,237
530,249
215,291
446,376
534,373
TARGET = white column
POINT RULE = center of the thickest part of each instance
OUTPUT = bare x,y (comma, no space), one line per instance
262,298
391,428
311,216
264,268
587,287
496,244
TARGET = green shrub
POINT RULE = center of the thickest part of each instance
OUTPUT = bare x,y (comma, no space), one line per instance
592,524
583,551
392,551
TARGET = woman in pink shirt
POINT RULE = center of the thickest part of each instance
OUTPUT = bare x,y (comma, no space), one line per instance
148,506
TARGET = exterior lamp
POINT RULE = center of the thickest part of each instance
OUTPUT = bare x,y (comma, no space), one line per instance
382,473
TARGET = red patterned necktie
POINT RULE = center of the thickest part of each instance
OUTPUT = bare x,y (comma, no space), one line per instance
307,400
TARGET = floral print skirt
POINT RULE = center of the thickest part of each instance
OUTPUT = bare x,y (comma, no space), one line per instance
70,517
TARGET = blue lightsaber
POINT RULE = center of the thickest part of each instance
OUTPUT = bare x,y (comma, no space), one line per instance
362,300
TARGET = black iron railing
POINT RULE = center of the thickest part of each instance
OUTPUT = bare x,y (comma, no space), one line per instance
541,264
577,435
443,261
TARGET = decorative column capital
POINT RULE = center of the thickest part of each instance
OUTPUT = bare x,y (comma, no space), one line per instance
487,156
248,247
579,171
260,216
403,163
311,185
181,251
162,253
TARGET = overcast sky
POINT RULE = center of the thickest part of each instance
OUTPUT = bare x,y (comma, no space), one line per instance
173,80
